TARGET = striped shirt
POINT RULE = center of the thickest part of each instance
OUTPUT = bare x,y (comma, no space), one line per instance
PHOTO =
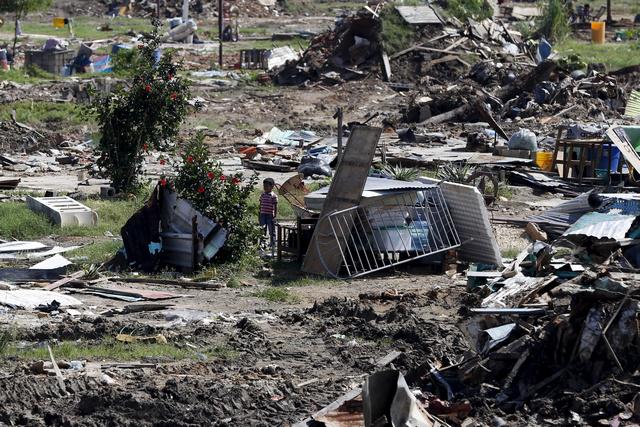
268,203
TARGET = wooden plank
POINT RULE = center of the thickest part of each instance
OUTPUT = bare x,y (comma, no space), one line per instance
58,372
625,147
65,280
386,67
456,43
431,49
345,192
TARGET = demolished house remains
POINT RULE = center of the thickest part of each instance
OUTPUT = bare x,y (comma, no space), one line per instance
456,214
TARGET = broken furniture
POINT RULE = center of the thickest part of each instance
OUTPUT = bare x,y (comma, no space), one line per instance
63,211
254,59
294,239
168,230
584,159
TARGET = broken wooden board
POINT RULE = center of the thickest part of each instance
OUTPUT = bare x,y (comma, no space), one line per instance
345,192
9,183
619,137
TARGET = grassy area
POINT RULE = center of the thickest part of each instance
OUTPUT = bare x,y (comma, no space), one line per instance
85,28
276,294
95,253
112,350
319,7
19,222
285,211
27,76
613,55
43,113
510,252
396,33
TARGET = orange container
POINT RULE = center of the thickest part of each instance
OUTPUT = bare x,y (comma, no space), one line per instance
58,22
544,160
597,32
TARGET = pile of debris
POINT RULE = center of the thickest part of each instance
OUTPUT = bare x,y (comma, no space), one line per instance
337,55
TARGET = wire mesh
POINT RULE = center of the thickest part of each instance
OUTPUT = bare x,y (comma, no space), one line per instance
392,230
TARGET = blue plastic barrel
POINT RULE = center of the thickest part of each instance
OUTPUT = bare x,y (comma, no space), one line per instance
604,159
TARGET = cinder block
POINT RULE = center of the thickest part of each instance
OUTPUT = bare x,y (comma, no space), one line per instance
63,211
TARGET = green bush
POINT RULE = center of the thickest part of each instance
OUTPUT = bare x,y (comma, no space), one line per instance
554,22
223,198
141,116
465,9
396,34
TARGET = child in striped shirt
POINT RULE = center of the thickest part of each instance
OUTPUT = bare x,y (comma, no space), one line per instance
269,209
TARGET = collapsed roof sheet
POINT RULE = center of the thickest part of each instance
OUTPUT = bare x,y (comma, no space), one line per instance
419,15
471,219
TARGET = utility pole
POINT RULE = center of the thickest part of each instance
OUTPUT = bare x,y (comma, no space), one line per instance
609,17
185,18
220,30
158,10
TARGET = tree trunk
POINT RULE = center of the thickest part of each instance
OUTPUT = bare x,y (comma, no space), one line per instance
609,17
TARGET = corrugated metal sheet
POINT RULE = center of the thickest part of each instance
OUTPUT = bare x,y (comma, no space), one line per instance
471,219
602,226
384,184
419,15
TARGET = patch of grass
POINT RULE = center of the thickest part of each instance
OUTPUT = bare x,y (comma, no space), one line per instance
249,263
510,252
27,76
19,222
43,113
318,7
234,283
108,350
396,33
6,337
85,27
613,55
465,9
285,211
276,294
504,190
95,253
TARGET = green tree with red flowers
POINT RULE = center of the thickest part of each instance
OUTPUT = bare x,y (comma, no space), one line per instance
223,198
141,115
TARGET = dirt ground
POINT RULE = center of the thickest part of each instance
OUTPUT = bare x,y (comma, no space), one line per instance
253,360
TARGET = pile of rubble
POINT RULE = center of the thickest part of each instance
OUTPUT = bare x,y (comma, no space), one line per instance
337,54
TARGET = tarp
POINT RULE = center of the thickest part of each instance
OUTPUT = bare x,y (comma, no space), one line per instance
31,298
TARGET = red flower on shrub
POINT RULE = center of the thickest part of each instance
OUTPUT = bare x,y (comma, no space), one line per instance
236,180
170,77
140,46
223,178
147,88
163,182
190,159
201,189
174,96
145,147
210,175
162,162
